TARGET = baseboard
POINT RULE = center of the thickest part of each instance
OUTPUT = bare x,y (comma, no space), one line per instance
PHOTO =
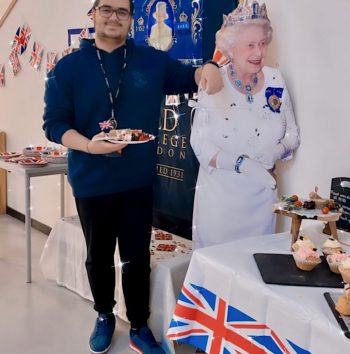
37,225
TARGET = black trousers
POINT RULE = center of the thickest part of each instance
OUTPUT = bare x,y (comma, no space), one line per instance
126,217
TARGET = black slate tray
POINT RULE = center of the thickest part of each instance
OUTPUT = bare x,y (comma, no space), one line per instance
281,269
343,321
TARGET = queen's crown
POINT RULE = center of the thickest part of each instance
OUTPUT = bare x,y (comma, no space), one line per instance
245,11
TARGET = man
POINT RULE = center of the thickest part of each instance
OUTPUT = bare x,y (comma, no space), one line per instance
110,77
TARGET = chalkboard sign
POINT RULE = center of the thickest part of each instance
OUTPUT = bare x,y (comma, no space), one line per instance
340,193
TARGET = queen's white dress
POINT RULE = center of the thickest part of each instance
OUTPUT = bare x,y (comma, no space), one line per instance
230,205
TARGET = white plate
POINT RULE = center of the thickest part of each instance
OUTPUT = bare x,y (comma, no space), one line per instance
115,141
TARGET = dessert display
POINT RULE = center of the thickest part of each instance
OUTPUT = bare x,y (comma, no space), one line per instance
334,260
298,209
344,269
303,241
331,246
343,303
306,258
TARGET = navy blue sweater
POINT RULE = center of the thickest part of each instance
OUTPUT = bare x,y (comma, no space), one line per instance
76,97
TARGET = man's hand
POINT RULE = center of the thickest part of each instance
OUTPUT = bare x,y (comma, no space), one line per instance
102,146
209,78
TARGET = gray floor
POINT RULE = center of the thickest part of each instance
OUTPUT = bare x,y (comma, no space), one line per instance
41,317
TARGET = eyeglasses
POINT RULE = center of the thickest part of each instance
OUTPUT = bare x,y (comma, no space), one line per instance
107,11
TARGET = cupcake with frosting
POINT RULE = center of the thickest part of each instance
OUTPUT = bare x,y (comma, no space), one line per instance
331,246
334,260
306,258
343,303
303,241
344,269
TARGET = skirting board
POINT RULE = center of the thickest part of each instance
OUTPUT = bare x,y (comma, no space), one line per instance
37,225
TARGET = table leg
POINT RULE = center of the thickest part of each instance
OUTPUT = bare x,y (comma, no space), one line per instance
62,211
28,229
295,228
333,228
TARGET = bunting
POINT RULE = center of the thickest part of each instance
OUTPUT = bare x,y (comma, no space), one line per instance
2,75
51,60
14,62
36,56
22,36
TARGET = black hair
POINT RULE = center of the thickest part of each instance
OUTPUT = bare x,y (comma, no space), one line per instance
131,3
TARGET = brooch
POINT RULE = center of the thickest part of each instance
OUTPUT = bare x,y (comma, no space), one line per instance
273,97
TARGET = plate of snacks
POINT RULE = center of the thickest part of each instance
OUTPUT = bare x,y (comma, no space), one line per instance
36,151
126,136
54,156
33,162
9,155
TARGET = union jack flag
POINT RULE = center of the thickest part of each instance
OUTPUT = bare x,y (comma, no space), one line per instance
36,56
207,322
67,51
14,62
22,36
84,33
51,60
2,75
106,124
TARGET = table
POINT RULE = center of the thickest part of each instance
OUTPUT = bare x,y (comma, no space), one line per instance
225,307
29,172
63,260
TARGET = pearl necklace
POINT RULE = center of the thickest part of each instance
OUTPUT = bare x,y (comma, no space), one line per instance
247,88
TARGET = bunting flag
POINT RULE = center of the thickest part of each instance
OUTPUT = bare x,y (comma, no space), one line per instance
2,75
21,39
51,60
84,34
36,56
67,51
14,61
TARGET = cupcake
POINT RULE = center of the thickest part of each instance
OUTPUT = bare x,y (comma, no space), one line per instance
303,241
335,259
331,246
343,303
344,269
306,258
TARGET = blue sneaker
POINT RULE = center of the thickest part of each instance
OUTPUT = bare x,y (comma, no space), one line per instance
101,337
143,342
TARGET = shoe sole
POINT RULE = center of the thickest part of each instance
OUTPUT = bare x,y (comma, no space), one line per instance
135,348
104,351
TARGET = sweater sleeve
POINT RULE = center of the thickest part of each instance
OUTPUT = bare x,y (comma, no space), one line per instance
59,106
179,78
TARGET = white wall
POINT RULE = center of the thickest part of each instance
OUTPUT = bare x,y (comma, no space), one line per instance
311,46
21,101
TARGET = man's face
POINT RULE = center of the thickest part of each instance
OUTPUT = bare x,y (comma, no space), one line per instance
112,27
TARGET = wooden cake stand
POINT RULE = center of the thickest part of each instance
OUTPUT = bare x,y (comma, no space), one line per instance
298,216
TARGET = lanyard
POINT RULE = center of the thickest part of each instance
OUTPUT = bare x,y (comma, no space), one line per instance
112,98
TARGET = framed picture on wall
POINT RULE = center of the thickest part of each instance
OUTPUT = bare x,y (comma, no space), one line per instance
5,8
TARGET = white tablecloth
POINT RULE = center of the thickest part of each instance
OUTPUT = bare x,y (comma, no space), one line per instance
225,304
63,260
